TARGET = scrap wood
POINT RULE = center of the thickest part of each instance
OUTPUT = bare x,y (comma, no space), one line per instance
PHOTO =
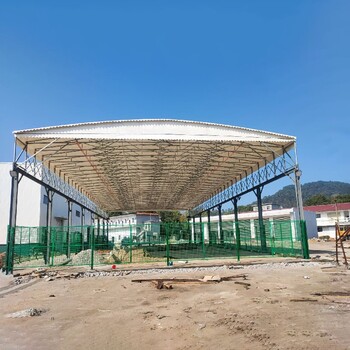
33,273
161,285
206,279
65,262
336,294
229,278
303,300
243,283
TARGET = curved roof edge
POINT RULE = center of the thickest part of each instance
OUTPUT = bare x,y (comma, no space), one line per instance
154,129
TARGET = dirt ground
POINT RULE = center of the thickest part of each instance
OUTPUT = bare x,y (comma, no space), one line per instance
279,310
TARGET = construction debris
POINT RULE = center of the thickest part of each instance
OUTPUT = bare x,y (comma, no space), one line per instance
303,300
27,313
161,285
211,279
161,282
336,293
246,285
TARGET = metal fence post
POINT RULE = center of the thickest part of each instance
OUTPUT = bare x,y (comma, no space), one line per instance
272,237
167,245
282,245
238,240
92,239
53,239
130,243
304,241
291,239
203,242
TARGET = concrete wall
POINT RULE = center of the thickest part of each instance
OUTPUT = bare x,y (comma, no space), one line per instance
311,224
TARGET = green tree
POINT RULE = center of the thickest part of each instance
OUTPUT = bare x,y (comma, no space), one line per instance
172,216
342,198
318,199
245,208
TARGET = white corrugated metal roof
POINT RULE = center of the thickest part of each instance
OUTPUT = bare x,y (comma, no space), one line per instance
151,163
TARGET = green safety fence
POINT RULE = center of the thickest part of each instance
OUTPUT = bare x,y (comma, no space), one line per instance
152,242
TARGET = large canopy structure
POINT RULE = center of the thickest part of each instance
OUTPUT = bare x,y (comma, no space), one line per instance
156,164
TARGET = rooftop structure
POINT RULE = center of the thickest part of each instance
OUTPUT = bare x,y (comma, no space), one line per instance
154,164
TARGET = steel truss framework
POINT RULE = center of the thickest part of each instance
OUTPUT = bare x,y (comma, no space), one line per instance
33,169
284,165
155,164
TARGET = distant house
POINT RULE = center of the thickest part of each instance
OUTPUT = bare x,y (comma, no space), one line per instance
328,214
139,227
267,206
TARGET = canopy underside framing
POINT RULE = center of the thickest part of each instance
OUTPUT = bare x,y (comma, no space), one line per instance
152,174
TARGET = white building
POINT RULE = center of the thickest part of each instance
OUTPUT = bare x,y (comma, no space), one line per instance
32,205
268,214
328,214
140,227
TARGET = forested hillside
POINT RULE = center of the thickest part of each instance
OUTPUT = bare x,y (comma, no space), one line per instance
314,193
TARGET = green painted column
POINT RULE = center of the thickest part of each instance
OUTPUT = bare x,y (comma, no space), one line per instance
209,228
92,236
261,221
82,222
48,224
70,204
194,228
237,229
189,229
12,221
221,232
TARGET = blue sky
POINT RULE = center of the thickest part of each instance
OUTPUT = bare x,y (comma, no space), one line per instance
281,66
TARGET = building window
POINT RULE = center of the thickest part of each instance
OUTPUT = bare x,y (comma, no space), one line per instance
45,199
318,216
319,229
77,213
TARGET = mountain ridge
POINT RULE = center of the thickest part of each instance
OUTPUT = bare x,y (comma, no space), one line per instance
325,189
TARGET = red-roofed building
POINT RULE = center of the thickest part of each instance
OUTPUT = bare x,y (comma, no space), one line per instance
328,214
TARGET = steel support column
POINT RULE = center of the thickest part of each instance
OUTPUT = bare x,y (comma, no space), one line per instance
189,228
194,229
221,232
12,221
107,232
98,226
261,220
48,237
209,228
69,221
82,222
201,227
300,207
104,232
237,229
